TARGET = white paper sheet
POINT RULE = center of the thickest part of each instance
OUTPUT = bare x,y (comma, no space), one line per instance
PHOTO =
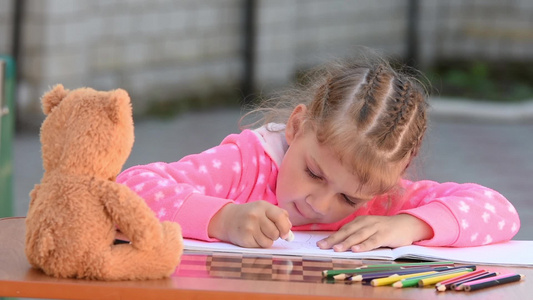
513,253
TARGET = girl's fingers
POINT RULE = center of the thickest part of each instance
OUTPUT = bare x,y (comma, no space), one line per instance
269,229
246,242
331,240
263,241
369,244
280,218
252,238
354,239
339,236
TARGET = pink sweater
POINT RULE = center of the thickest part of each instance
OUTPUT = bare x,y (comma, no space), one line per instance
244,168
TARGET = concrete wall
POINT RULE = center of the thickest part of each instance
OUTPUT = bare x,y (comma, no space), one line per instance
295,35
166,49
153,49
487,29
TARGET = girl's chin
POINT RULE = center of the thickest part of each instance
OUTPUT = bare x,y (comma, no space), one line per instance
298,220
296,217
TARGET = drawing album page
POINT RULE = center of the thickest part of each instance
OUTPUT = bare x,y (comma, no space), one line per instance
513,253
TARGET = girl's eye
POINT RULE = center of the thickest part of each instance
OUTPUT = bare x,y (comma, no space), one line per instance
311,174
350,202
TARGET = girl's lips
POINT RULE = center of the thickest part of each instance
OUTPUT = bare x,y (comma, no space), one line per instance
297,210
301,213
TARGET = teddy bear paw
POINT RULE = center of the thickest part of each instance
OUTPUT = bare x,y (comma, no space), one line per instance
173,239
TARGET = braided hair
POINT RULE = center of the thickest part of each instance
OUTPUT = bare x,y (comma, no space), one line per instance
372,117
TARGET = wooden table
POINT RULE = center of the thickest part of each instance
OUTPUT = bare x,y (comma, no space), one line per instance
221,276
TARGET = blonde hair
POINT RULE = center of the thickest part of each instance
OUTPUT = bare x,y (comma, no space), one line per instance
372,116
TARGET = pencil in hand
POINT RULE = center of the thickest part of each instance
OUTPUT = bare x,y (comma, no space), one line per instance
290,236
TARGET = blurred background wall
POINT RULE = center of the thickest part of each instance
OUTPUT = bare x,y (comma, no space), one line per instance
166,51
176,56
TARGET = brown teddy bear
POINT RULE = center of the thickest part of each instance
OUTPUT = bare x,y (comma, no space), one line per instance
73,214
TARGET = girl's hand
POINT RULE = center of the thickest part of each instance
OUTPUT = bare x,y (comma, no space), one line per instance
252,225
365,233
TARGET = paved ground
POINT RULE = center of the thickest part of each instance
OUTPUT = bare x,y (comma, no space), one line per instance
494,153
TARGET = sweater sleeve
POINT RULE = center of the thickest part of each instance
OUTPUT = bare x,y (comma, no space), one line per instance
460,215
190,191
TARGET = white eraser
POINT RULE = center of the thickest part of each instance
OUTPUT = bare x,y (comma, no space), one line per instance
290,238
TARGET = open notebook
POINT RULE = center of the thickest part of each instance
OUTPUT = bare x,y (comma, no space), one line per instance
512,253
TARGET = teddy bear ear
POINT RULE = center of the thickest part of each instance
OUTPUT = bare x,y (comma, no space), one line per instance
119,100
52,98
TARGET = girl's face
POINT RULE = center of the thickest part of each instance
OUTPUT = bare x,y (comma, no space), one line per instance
312,185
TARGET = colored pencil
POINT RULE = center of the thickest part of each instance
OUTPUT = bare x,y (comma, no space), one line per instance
395,278
471,274
492,281
383,267
367,277
458,286
427,263
414,281
446,284
434,279
333,273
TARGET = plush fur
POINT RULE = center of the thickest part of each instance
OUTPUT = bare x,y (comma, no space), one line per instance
86,137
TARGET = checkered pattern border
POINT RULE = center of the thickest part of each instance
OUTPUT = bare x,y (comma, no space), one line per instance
270,268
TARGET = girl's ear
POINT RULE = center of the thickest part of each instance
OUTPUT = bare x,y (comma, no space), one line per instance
295,122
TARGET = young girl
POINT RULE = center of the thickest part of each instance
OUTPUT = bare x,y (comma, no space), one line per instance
334,162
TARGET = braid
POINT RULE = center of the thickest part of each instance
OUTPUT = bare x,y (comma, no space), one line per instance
370,95
418,129
391,131
406,104
372,117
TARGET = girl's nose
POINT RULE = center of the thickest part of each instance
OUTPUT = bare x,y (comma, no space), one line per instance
320,203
